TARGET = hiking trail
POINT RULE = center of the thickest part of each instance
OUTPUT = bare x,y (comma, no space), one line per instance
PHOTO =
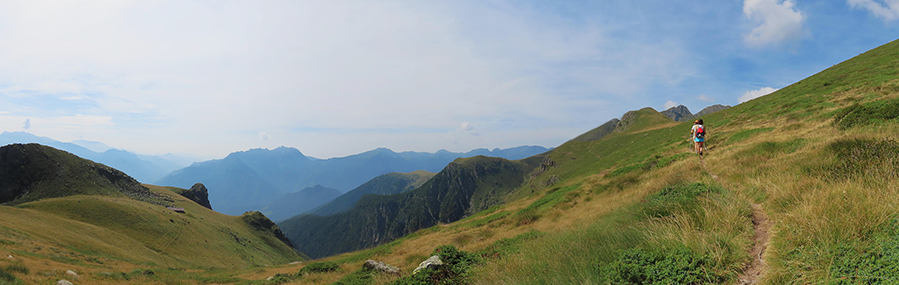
761,225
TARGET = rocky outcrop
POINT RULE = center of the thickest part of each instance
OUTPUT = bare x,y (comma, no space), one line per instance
678,113
381,267
197,193
627,120
599,132
260,222
434,262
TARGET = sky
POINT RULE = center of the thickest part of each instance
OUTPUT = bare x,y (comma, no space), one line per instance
334,78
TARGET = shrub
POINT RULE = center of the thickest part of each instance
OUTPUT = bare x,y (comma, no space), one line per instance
6,276
455,269
319,267
17,268
677,266
873,112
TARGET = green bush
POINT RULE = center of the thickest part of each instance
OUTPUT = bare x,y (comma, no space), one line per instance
870,113
319,267
17,268
677,266
456,266
6,276
878,264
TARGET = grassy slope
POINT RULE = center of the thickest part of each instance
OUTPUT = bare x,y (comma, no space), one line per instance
94,234
776,151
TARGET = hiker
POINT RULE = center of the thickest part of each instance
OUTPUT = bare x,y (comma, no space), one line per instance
698,133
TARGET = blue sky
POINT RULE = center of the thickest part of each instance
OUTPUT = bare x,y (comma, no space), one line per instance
334,78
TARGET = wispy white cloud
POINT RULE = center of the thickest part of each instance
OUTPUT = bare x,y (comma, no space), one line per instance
752,94
704,98
888,10
670,104
778,21
27,124
467,128
185,69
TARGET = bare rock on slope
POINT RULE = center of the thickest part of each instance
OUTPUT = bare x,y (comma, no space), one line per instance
197,193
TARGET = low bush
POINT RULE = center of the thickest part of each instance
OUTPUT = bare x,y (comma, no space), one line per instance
857,115
16,268
677,266
6,276
456,267
319,267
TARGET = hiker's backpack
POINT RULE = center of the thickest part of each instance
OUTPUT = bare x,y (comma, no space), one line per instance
700,132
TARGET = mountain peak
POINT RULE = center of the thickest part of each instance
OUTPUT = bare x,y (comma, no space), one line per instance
678,113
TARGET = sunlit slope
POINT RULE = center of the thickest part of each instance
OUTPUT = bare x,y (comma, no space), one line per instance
829,191
824,173
142,233
108,230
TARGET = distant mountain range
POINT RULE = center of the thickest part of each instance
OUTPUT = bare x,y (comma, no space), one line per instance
252,179
291,204
144,168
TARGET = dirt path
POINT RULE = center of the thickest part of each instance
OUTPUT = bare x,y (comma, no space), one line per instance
761,226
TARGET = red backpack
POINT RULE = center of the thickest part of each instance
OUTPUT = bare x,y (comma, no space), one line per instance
700,132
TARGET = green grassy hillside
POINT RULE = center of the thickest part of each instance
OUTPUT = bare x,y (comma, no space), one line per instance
79,215
799,186
30,172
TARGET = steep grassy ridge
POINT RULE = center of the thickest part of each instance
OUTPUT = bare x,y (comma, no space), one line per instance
464,187
637,200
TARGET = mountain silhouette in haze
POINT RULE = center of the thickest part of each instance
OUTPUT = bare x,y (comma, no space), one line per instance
251,180
387,184
144,168
291,204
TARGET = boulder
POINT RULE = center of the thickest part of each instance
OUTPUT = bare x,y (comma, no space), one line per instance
381,267
434,262
197,193
64,282
72,274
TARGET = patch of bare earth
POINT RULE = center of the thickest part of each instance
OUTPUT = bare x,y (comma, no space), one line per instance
756,268
761,226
